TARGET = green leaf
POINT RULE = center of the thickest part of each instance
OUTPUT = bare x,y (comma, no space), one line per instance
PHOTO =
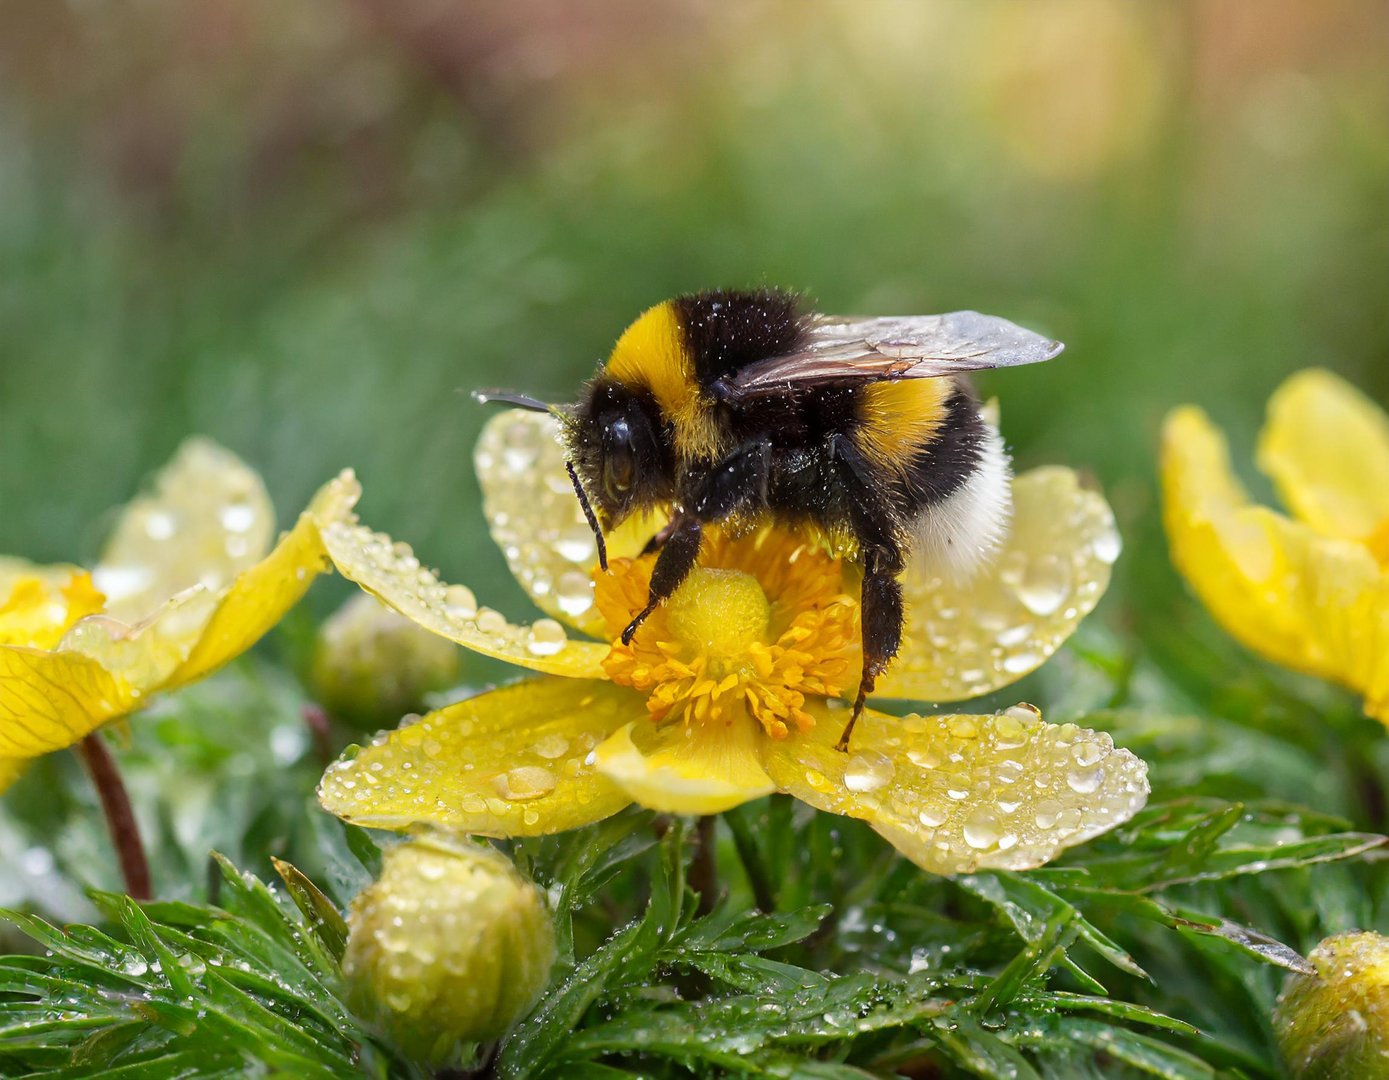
325,920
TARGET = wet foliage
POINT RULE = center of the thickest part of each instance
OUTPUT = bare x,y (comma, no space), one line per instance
781,942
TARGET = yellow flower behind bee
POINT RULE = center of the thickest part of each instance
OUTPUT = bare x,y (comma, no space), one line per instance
187,581
727,692
1309,592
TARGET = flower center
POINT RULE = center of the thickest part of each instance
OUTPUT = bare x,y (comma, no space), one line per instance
719,613
762,624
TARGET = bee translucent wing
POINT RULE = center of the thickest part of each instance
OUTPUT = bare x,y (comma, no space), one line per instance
840,350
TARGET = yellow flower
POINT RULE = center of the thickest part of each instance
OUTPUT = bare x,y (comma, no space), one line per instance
1310,592
186,582
728,692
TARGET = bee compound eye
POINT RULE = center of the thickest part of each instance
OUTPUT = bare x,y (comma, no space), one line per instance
619,460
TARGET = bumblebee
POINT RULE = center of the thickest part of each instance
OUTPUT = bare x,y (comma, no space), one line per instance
734,407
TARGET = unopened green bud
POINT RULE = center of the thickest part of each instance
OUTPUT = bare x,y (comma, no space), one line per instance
372,666
451,945
1336,1023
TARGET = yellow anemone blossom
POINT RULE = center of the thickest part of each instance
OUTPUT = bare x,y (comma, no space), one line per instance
187,581
1311,591
729,691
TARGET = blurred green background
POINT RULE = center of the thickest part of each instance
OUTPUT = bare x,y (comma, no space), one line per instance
308,229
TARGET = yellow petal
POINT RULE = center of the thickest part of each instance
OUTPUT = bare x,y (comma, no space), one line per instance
49,700
959,793
1326,446
963,640
12,569
37,611
536,519
513,762
696,768
261,595
1304,601
391,573
207,519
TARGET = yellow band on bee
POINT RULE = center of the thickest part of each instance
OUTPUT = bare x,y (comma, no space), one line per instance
651,354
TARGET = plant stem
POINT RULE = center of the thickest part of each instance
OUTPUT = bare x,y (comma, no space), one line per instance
120,818
746,845
704,872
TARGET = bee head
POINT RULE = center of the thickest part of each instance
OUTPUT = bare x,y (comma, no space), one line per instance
616,450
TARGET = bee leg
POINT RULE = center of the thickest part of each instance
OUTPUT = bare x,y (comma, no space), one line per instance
658,541
880,609
738,482
673,565
881,614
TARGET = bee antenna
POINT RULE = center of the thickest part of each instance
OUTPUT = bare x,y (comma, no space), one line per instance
588,513
510,397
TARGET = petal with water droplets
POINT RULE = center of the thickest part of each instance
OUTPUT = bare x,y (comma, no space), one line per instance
512,762
536,520
260,595
207,519
696,768
391,572
964,640
960,793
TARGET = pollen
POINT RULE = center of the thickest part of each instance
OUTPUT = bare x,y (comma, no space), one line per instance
764,623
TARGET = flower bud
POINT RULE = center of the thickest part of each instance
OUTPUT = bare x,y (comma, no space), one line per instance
450,945
371,665
1336,1023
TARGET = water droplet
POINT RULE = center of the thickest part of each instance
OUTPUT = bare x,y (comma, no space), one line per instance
135,966
574,592
159,525
1009,732
1045,584
551,746
933,815
868,771
575,543
490,621
1084,781
546,638
1021,663
237,517
1108,545
1046,813
524,782
981,829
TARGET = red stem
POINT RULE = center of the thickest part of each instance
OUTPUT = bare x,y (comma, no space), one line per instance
120,818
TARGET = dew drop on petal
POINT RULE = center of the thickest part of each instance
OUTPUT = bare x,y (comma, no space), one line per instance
551,746
868,771
981,829
574,592
524,782
1045,584
1107,545
545,638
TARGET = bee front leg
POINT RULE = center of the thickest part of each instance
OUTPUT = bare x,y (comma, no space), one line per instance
673,565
